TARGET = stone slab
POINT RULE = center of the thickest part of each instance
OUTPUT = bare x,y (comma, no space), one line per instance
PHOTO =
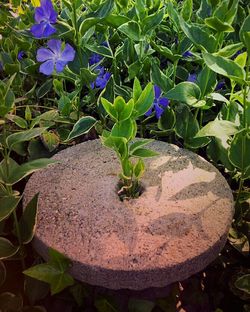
173,230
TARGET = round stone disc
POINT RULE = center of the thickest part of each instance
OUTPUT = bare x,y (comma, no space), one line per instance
174,229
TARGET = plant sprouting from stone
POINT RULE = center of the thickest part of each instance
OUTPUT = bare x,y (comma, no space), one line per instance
121,138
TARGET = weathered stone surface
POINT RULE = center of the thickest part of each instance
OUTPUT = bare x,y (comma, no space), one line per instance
173,230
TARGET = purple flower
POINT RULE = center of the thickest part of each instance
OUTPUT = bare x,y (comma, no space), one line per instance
236,54
187,54
21,55
94,58
220,85
192,77
45,15
102,79
159,103
54,57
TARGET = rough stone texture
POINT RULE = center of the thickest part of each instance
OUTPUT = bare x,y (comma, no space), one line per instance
173,230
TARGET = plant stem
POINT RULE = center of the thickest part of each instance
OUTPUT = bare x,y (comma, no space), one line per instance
77,41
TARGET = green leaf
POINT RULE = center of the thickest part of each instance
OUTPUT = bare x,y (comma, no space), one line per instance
124,129
23,136
143,152
186,92
19,121
86,24
239,152
109,108
27,222
103,305
241,59
45,88
119,144
8,205
206,80
243,283
159,78
138,144
140,305
218,129
51,140
139,169
131,29
102,50
137,90
229,50
22,171
105,9
2,273
116,20
187,9
216,24
186,125
145,101
126,111
199,36
224,67
53,272
82,126
153,20
7,249
167,120
245,33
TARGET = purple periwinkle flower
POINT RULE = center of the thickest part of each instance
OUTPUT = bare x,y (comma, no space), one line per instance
102,79
21,55
236,54
192,78
187,54
54,58
45,16
220,85
94,58
159,103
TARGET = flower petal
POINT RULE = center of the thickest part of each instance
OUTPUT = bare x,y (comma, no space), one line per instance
47,68
163,102
39,15
43,54
157,91
158,111
100,82
37,30
60,66
68,53
55,46
48,30
149,112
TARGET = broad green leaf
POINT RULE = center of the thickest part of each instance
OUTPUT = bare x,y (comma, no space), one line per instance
50,139
159,78
186,125
224,67
145,101
7,249
245,33
27,168
167,120
186,92
137,90
27,222
47,117
216,24
139,144
206,80
153,20
86,24
230,50
187,9
127,111
131,29
45,88
243,283
241,59
8,205
139,168
105,9
23,136
218,97
134,69
82,126
119,144
116,20
19,121
218,129
165,52
53,272
102,50
199,36
109,108
143,152
140,305
124,129
239,151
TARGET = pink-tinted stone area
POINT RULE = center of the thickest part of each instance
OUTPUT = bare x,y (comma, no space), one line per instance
173,230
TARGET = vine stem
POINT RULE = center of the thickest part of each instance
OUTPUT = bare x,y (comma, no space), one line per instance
74,20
